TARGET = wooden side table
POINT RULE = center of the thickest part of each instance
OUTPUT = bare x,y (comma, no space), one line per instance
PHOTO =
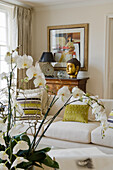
55,83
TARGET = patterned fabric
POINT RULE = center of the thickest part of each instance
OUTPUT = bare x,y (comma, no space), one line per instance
77,113
110,119
40,93
31,101
31,105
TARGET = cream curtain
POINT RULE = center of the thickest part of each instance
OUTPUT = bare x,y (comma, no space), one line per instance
22,25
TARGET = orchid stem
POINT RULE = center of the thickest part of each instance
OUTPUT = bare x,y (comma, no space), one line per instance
51,122
33,142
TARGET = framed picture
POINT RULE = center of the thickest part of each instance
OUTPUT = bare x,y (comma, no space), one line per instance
68,41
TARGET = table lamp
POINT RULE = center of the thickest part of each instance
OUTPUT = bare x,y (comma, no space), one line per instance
46,67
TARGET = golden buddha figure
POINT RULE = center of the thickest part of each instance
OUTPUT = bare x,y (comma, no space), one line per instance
73,67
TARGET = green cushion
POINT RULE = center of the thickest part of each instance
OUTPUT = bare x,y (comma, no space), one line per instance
77,113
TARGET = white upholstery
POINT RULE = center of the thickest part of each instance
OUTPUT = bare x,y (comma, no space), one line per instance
108,103
59,144
32,122
57,105
96,137
71,131
75,134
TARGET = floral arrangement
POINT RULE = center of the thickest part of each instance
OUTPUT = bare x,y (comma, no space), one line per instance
16,149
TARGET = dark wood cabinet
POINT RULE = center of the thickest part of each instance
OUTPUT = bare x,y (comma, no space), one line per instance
55,83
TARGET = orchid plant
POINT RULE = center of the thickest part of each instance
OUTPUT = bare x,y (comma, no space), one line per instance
17,151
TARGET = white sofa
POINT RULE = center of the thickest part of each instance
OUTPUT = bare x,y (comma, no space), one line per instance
76,135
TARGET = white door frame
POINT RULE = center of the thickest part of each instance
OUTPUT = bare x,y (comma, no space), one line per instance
107,57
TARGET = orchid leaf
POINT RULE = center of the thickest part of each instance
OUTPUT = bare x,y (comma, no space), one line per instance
22,153
47,149
49,162
37,156
26,138
24,165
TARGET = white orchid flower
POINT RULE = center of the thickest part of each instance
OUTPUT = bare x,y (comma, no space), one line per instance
3,126
21,145
15,57
8,58
17,129
19,110
11,58
63,93
40,80
19,62
18,107
100,116
3,166
3,76
103,116
4,156
96,108
19,169
18,160
2,141
24,61
105,124
77,92
33,71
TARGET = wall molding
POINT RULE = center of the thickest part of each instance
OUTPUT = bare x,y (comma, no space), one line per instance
107,57
53,6
14,2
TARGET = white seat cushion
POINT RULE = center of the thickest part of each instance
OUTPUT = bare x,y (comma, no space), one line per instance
71,131
96,137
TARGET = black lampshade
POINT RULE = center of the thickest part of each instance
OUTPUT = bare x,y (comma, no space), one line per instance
47,57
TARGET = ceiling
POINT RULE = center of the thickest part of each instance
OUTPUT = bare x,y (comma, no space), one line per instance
38,3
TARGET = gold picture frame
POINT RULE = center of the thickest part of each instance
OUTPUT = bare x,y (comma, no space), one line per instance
67,41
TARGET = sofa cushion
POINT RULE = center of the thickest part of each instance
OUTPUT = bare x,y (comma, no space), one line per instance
91,117
96,137
31,104
39,93
77,113
71,131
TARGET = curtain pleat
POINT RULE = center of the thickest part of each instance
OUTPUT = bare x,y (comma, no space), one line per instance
23,24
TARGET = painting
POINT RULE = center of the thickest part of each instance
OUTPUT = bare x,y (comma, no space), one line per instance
69,41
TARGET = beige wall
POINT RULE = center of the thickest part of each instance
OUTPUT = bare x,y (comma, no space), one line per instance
96,17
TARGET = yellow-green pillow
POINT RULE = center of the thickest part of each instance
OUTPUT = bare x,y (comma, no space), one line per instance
77,113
